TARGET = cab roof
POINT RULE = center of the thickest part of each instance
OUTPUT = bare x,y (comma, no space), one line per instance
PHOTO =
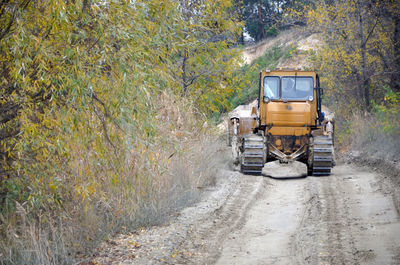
288,72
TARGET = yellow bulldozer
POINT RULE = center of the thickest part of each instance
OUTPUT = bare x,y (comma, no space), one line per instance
288,124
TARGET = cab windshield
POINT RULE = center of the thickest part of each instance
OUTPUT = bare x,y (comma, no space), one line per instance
288,87
298,88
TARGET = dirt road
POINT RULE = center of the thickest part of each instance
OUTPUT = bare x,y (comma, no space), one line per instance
282,217
342,219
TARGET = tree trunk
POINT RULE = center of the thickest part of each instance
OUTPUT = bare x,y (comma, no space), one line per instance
241,40
363,51
395,77
261,18
184,75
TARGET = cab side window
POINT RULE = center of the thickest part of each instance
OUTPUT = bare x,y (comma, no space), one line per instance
271,87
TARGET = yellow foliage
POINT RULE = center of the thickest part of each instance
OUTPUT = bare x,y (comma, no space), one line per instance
357,42
96,102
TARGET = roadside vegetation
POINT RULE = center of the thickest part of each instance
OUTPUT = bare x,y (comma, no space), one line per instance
360,66
103,117
358,61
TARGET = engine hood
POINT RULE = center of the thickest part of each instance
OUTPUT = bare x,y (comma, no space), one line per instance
287,114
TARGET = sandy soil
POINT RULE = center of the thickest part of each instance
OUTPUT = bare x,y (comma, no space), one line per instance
281,217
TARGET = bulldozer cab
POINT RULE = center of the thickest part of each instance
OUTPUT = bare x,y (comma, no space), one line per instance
289,98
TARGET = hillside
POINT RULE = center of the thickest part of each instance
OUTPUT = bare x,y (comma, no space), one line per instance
299,38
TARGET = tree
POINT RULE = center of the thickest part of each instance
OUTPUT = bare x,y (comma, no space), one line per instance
389,26
205,62
265,18
359,40
261,16
80,58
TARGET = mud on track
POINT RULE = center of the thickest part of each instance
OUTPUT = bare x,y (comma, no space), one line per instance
282,217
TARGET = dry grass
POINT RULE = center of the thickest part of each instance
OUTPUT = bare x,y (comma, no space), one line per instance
140,186
367,133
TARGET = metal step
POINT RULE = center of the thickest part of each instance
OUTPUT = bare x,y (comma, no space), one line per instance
249,171
254,155
253,146
323,142
253,164
323,138
323,150
321,168
254,139
323,158
321,173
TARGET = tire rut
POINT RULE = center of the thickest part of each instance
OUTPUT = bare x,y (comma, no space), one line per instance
206,237
323,235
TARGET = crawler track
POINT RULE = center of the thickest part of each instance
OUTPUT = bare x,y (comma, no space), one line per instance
322,156
252,158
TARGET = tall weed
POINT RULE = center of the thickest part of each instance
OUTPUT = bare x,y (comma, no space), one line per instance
376,133
147,178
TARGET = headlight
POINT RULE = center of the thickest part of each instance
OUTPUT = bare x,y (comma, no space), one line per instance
310,98
267,99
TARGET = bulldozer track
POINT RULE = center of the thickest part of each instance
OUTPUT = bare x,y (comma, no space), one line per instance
322,153
252,161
